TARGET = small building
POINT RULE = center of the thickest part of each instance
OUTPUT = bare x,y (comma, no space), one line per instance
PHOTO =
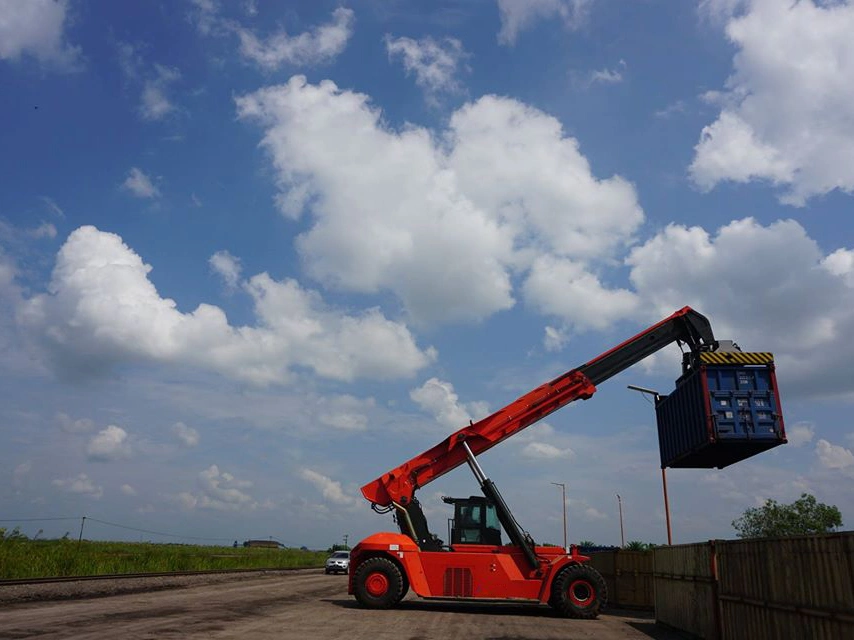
262,544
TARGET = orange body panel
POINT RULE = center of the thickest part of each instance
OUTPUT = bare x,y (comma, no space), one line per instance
467,571
496,572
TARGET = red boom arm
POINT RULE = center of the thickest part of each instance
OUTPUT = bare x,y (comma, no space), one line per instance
399,484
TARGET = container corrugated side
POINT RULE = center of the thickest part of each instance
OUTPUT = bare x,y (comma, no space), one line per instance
683,420
719,415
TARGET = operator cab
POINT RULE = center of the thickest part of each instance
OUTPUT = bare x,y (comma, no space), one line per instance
475,521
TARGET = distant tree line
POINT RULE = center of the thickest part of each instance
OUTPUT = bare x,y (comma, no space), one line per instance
804,516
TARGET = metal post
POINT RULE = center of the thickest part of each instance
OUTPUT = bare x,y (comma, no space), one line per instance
666,505
563,493
622,533
656,396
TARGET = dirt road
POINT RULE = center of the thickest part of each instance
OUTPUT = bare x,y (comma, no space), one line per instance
296,607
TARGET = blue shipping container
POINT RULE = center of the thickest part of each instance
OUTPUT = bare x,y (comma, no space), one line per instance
720,414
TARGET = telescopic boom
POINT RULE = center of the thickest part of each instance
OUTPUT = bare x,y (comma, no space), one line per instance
398,486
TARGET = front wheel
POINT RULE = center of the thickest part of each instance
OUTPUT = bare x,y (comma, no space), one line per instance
579,592
378,583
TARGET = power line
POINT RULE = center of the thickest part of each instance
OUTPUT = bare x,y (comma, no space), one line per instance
157,533
37,519
120,526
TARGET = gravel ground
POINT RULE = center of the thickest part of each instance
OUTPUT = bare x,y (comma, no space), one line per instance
280,606
79,589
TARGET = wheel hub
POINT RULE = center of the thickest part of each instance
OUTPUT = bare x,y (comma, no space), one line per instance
376,584
580,592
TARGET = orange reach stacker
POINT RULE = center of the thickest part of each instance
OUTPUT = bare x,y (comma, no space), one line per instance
475,565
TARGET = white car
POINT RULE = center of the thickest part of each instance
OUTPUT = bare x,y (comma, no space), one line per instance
338,562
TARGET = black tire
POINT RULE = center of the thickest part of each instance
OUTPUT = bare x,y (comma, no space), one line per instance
579,592
328,571
378,583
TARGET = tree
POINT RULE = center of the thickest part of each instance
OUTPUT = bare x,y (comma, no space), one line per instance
14,534
637,545
804,516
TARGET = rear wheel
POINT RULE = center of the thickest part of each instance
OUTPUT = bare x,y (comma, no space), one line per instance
579,592
378,583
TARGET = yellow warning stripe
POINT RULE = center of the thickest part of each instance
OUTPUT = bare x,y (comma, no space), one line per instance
736,357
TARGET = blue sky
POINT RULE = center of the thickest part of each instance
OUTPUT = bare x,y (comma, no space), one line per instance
255,254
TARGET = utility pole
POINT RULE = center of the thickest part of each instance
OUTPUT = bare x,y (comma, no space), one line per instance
563,493
656,396
666,505
622,533
346,536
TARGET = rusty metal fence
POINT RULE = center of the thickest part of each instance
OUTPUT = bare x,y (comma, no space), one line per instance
686,588
628,575
774,589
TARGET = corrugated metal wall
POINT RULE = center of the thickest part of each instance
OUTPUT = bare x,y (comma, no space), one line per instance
788,588
628,575
686,588
769,589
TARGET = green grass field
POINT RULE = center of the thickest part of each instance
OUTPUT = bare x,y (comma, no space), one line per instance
24,558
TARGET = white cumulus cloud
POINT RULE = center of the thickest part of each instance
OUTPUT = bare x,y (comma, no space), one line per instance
344,421
227,267
608,76
187,435
721,10
516,163
81,484
545,451
767,287
70,425
518,15
582,296
554,338
155,101
343,412
36,28
205,15
44,230
434,63
841,263
320,45
592,513
832,456
784,118
20,473
438,398
101,310
443,220
800,433
140,185
217,490
329,488
109,444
